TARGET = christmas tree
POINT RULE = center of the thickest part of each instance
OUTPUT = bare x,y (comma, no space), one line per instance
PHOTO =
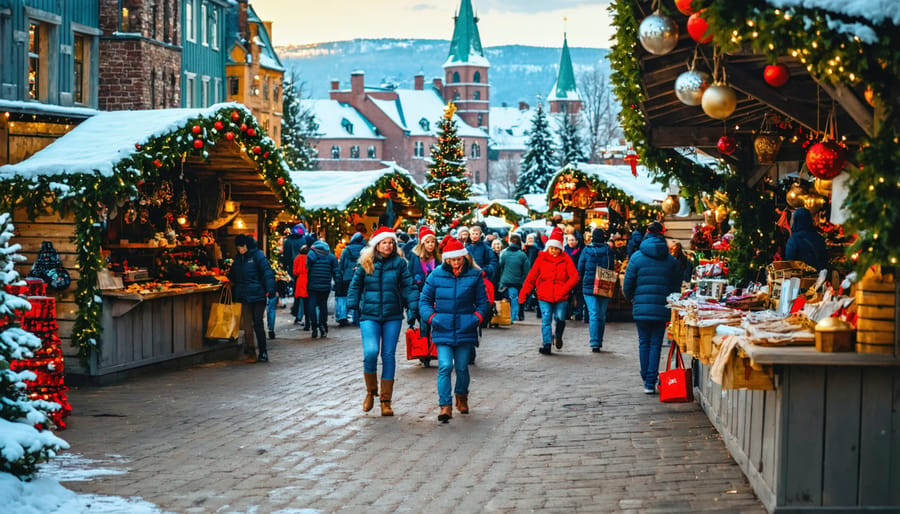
538,164
446,185
571,147
298,126
24,422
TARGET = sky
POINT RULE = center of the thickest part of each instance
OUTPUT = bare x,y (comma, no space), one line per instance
502,22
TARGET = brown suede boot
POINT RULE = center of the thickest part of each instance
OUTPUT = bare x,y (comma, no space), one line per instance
446,413
371,390
387,390
462,403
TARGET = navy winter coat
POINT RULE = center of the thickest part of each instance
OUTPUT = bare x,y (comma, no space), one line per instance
634,242
484,257
382,295
290,249
454,305
805,243
251,276
652,275
321,268
594,255
348,262
514,266
415,269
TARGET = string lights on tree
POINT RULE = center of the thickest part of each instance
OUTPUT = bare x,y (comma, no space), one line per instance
447,184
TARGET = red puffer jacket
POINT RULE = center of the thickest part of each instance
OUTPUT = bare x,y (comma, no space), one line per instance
554,278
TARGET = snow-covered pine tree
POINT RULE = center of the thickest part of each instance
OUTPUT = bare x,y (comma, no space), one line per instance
22,446
298,126
446,185
571,146
538,165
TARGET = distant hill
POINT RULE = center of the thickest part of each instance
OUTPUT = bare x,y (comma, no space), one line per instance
517,72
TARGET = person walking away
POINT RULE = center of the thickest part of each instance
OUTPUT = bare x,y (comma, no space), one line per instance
253,283
553,275
652,274
576,299
805,243
322,272
381,288
513,269
454,303
598,254
634,242
686,269
497,247
290,249
347,263
301,296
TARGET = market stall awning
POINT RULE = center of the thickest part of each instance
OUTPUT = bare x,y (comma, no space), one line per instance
536,202
509,209
356,191
641,188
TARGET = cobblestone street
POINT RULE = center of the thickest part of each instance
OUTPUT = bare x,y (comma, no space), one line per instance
572,432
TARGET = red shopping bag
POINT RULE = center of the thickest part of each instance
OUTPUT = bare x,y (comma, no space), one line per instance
675,384
419,346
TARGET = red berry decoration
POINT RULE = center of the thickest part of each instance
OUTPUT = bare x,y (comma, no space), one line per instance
140,182
157,163
776,75
684,7
266,154
697,27
218,125
235,115
251,132
137,146
198,143
280,181
243,127
257,149
825,160
229,136
523,202
727,145
196,129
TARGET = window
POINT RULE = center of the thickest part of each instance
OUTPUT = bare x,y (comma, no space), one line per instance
214,29
189,20
424,124
419,149
82,57
354,152
476,78
153,89
476,95
346,125
266,89
205,92
476,151
563,107
38,61
276,93
190,84
173,91
371,153
477,176
204,26
155,27
481,122
234,86
335,152
217,90
166,21
455,76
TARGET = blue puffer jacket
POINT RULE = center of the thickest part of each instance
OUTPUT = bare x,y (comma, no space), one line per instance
290,249
805,243
652,275
321,268
454,305
484,257
593,255
382,295
634,242
251,276
415,269
348,262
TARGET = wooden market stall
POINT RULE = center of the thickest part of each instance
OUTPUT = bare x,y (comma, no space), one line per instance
142,207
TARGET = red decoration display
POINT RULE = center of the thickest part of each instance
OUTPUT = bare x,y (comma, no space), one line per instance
198,144
280,181
776,75
257,149
229,136
251,132
727,145
825,160
632,160
196,129
243,127
218,125
235,116
157,163
697,27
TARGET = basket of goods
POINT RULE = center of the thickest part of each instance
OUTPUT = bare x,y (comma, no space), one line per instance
876,313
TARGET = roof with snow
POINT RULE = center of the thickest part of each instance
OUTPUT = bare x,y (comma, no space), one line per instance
641,188
511,127
509,208
338,120
496,223
419,111
339,189
465,47
30,107
536,202
268,58
564,88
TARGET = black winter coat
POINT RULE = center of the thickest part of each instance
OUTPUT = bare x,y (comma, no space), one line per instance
290,249
251,276
805,243
348,262
382,295
484,257
321,268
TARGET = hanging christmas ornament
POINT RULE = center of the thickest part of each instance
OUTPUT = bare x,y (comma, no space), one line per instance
229,136
690,85
243,127
198,144
257,149
671,204
280,181
825,160
196,129
158,163
658,34
823,187
776,75
795,195
218,125
251,132
698,28
235,116
813,203
766,146
719,101
684,7
727,145
721,214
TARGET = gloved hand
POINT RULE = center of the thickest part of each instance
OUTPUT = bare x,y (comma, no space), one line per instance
410,319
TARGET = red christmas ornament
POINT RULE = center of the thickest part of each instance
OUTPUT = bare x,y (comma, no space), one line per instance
251,132
632,160
243,127
727,145
454,223
523,202
776,75
157,163
198,143
280,181
697,27
229,136
257,149
684,7
218,125
196,129
235,115
825,160
141,181
266,154
137,146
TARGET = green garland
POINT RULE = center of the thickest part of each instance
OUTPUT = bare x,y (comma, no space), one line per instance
643,213
86,195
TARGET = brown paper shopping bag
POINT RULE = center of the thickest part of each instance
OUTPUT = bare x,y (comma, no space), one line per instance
224,317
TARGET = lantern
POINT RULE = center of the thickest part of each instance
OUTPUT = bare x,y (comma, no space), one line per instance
697,28
690,85
719,101
658,34
766,146
776,75
671,204
795,195
825,160
727,145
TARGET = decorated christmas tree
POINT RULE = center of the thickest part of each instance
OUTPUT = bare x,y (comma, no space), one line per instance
25,438
447,185
571,146
538,165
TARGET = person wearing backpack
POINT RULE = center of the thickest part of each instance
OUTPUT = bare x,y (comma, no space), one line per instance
598,254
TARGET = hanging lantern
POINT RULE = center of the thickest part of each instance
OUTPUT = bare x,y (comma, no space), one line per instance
684,7
813,203
776,75
697,28
719,101
795,195
671,204
658,34
766,146
727,145
825,160
823,187
690,85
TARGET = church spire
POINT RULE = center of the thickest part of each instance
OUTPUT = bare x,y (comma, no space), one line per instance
465,47
565,89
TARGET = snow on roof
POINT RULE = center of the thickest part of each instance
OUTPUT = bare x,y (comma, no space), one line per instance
474,59
512,205
412,106
641,188
35,107
102,141
878,11
337,189
509,126
539,224
331,116
556,94
536,202
495,222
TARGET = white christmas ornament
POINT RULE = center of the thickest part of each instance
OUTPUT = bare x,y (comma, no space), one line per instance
690,85
658,34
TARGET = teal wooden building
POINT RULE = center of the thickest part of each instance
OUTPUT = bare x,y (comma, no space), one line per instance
204,51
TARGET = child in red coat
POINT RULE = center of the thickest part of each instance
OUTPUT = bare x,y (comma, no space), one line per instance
300,294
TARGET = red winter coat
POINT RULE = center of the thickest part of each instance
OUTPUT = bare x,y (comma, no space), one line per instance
554,278
301,274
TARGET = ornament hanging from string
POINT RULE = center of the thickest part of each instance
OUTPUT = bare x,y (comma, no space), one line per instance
825,159
690,85
719,100
657,33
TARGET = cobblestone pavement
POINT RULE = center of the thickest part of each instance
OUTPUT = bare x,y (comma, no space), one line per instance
572,432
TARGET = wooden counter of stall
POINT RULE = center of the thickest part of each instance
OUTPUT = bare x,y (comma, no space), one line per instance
812,431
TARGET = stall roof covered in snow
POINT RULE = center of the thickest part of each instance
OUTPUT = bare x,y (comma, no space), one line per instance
876,11
337,189
48,109
102,141
419,111
641,188
338,120
536,202
511,205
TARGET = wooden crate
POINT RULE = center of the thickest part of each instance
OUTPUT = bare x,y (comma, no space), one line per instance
692,340
706,346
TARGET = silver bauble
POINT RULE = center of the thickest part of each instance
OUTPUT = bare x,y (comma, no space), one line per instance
658,34
719,101
690,85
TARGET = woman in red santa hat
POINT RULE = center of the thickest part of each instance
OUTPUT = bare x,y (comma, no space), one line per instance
553,275
454,303
380,289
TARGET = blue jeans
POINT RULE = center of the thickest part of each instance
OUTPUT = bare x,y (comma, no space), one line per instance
513,293
340,308
596,307
270,312
380,338
550,310
650,338
450,358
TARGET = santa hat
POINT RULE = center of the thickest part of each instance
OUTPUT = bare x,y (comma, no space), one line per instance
424,230
556,238
381,234
451,247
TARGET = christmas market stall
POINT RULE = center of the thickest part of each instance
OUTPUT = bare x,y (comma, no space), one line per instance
798,102
508,213
139,210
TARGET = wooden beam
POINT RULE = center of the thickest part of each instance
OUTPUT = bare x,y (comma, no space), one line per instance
758,173
751,85
678,136
861,114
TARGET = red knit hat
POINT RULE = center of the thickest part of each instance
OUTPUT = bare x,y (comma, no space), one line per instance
556,238
425,230
451,247
381,234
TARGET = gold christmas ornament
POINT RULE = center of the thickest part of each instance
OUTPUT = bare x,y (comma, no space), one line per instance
671,204
823,187
721,214
766,145
813,203
719,101
795,195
